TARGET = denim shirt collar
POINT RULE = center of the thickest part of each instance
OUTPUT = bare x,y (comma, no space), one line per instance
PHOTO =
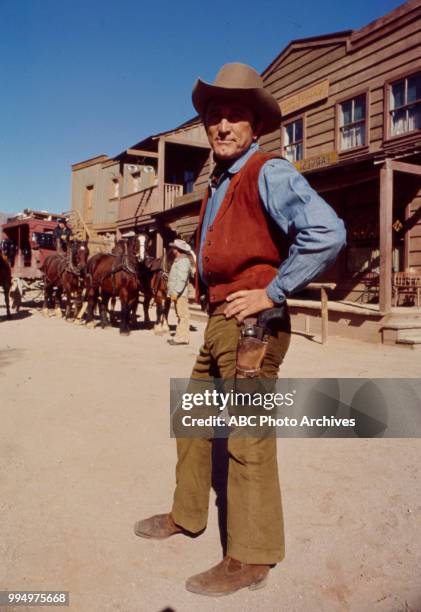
240,161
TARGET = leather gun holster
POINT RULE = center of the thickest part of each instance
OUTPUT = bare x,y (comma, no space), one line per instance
253,341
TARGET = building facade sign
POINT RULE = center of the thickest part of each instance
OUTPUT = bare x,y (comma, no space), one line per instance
316,161
304,98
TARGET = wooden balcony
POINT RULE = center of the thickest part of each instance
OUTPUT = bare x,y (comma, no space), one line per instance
148,201
171,192
135,205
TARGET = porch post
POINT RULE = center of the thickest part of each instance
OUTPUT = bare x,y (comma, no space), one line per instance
161,173
406,238
386,244
120,195
159,245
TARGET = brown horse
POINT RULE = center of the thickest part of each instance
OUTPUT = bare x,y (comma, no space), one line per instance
159,285
114,275
152,279
155,286
159,289
65,272
5,280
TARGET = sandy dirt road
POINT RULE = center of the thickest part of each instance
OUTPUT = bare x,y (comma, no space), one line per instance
85,452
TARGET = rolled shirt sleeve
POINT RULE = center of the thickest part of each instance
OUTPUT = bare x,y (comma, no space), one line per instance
316,232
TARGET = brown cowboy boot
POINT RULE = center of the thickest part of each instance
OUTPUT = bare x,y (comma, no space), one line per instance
227,577
158,527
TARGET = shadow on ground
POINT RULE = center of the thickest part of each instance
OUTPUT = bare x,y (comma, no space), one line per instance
310,337
8,356
16,316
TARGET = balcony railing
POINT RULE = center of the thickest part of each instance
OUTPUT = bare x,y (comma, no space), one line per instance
171,192
137,204
147,201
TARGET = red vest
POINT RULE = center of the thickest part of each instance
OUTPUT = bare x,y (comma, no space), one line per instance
243,246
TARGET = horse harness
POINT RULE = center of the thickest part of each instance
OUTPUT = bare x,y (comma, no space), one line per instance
123,265
66,265
157,267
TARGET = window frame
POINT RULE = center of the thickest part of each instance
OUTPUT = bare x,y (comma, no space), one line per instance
88,202
284,123
387,110
114,186
135,180
338,110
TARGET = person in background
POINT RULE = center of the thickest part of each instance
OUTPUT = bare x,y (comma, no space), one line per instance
61,235
178,289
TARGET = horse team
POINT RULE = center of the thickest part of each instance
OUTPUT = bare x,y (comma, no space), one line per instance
90,282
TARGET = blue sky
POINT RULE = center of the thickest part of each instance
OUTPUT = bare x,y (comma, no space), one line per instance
86,77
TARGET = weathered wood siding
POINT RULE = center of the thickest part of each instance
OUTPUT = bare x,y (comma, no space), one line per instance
194,132
84,177
361,61
202,179
106,206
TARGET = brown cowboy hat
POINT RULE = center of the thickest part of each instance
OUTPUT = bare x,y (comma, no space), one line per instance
241,83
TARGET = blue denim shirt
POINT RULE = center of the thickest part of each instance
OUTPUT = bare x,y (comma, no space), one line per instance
316,233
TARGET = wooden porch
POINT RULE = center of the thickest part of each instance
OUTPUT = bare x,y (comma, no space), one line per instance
386,277
364,322
401,327
180,159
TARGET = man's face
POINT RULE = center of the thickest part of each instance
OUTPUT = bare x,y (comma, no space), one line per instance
230,127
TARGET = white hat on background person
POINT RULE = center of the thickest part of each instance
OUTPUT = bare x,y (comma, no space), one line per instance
181,245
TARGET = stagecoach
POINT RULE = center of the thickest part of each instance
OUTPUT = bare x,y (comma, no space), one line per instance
27,240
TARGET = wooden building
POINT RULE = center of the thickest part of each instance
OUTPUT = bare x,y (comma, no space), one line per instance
351,105
178,161
93,200
137,189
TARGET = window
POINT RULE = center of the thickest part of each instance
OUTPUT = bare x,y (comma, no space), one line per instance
188,181
136,181
352,123
293,140
148,176
88,202
115,188
405,105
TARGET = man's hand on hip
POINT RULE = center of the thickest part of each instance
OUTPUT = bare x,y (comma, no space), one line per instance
247,302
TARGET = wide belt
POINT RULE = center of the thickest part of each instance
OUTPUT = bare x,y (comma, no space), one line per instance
211,308
216,309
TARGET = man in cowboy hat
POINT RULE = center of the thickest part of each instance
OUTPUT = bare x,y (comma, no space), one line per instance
61,235
178,290
263,234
